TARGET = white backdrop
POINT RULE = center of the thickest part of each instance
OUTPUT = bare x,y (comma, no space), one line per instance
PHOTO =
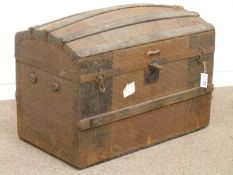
19,15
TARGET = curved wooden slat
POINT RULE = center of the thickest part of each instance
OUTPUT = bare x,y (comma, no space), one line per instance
63,22
136,41
126,22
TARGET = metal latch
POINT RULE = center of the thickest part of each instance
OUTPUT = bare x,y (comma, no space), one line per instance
154,65
151,74
200,58
100,79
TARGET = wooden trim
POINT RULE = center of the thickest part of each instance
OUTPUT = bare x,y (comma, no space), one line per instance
85,15
127,22
140,40
130,111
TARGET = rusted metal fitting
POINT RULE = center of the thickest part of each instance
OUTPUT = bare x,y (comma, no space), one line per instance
32,77
155,65
54,86
100,79
200,58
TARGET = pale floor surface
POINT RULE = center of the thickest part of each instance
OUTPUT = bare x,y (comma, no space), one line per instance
206,152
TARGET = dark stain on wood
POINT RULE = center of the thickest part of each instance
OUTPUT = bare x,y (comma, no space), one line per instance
92,100
100,136
96,64
84,140
192,66
151,75
203,40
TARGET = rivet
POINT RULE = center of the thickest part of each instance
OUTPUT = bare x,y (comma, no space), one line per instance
54,86
33,77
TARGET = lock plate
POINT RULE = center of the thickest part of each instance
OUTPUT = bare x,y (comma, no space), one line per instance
151,75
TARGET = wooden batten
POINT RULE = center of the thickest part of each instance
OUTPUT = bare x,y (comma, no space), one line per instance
124,23
63,22
130,111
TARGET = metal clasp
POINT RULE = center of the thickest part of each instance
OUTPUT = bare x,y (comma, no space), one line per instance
200,58
154,65
151,74
100,79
